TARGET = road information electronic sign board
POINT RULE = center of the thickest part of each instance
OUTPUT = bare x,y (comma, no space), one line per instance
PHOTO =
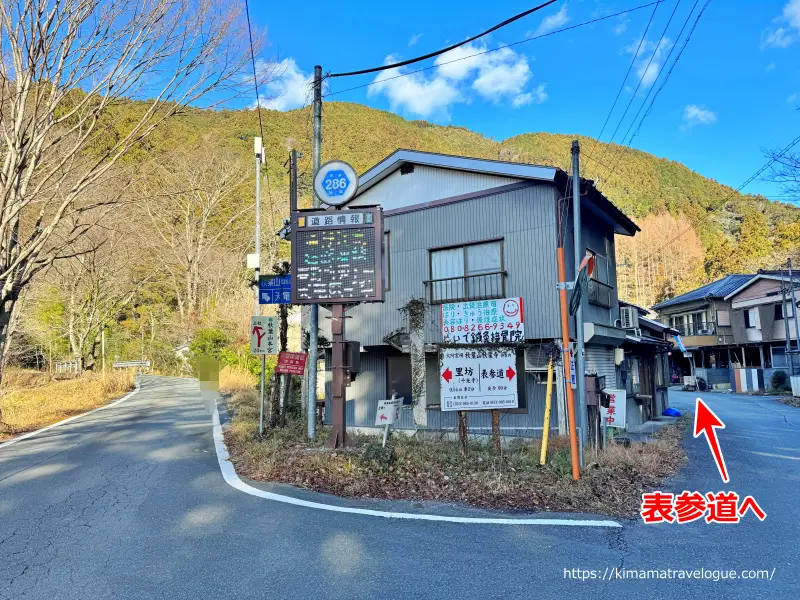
337,256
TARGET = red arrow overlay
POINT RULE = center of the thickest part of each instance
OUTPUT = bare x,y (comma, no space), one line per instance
705,421
447,375
510,373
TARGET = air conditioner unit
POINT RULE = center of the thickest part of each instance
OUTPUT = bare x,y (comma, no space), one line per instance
629,316
535,359
705,332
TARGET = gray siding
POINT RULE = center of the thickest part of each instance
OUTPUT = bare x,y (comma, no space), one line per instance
523,218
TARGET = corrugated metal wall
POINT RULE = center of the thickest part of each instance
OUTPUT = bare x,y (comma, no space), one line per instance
523,218
426,184
600,360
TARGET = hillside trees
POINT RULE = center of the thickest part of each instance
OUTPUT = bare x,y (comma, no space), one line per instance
67,74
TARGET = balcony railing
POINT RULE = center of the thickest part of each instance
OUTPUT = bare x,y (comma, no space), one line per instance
600,294
696,329
485,286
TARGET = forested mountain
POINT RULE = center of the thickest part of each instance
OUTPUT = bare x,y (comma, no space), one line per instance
172,256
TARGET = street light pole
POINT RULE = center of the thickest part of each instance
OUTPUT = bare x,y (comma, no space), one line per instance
313,321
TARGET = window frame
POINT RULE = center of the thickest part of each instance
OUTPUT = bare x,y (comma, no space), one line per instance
387,266
462,247
748,324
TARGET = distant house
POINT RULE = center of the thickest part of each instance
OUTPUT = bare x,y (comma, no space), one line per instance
738,322
471,230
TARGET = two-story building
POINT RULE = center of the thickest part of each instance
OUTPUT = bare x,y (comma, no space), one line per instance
466,229
739,323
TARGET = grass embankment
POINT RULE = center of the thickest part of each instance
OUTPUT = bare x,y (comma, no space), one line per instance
32,400
416,469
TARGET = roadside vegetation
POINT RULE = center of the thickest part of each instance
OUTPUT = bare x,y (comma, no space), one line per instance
32,399
415,469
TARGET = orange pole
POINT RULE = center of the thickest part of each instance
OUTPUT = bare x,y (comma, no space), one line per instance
573,437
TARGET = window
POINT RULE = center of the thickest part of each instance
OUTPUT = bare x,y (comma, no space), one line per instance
723,318
600,266
398,377
467,272
779,311
750,318
779,357
387,271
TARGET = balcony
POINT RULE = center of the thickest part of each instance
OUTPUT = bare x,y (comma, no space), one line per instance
486,286
696,329
600,294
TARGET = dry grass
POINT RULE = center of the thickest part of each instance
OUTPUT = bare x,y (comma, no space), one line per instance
235,379
434,470
31,402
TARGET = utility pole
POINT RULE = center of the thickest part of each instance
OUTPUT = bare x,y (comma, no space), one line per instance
103,349
794,309
580,370
313,321
258,149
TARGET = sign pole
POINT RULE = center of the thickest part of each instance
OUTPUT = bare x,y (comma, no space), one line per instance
579,252
313,322
338,437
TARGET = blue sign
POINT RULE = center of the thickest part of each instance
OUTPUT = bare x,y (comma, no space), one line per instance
275,289
679,341
335,183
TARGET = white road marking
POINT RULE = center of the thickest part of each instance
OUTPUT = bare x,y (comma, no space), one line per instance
232,479
775,455
65,421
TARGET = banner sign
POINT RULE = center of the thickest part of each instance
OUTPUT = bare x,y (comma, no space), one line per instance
483,322
478,379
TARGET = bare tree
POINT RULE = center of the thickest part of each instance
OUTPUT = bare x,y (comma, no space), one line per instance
194,201
785,171
82,84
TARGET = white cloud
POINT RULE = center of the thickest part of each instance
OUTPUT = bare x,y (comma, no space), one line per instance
697,115
621,27
552,22
498,76
771,67
414,39
793,98
787,31
648,60
290,88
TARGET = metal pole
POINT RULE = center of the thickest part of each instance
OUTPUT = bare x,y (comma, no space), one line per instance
103,349
258,147
313,322
338,437
794,309
580,384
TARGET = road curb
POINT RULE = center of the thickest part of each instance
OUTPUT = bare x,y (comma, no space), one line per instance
233,479
30,434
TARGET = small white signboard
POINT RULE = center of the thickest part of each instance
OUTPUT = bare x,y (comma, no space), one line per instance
614,415
478,378
263,335
483,322
388,411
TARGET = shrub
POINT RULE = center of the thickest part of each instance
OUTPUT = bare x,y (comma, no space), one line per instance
379,456
779,380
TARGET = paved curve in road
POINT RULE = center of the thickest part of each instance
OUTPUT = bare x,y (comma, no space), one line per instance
129,502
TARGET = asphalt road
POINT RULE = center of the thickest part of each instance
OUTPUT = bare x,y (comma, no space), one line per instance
129,503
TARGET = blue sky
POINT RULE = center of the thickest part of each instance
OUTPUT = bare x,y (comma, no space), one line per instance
734,92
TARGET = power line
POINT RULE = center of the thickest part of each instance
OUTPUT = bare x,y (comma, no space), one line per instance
663,83
628,72
529,39
443,50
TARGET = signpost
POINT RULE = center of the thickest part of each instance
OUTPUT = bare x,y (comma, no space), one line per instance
337,258
291,363
263,335
483,322
614,415
478,379
275,289
388,414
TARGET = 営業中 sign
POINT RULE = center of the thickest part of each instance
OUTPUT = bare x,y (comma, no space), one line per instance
263,335
291,363
614,415
337,256
388,411
483,322
275,289
478,378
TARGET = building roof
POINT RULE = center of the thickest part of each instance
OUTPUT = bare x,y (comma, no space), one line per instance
717,289
598,203
764,274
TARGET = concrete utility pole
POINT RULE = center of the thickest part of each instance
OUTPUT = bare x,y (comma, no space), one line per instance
794,306
258,150
313,321
580,370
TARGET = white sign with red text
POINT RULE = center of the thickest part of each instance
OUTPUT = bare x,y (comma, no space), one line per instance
614,415
263,335
478,378
388,411
483,322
